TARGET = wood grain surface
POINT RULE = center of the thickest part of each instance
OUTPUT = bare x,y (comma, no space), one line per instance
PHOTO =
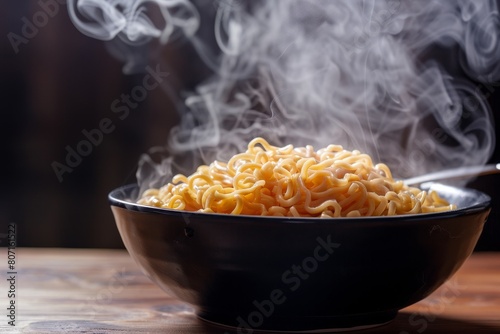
103,291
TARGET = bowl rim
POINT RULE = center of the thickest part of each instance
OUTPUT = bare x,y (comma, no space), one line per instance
483,204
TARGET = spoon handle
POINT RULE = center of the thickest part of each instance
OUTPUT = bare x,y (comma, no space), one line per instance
454,173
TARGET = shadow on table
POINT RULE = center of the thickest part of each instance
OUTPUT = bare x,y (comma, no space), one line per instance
404,323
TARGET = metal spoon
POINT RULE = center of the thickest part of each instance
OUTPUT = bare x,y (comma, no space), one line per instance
454,173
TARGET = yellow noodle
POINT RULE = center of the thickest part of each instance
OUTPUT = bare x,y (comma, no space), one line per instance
295,182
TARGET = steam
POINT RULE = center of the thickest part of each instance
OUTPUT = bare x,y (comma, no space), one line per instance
377,76
130,20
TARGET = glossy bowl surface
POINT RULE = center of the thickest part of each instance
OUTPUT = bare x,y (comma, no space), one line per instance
300,274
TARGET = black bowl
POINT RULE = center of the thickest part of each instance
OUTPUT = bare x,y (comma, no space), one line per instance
300,274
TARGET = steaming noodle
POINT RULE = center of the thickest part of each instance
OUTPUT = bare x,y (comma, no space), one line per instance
286,181
365,73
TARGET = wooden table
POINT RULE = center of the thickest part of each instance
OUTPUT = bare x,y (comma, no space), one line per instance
103,291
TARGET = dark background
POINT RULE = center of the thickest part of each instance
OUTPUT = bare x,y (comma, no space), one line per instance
60,83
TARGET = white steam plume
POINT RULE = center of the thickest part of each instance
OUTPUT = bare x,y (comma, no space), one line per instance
133,20
360,73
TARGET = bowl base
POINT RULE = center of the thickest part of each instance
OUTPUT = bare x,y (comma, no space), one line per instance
297,324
